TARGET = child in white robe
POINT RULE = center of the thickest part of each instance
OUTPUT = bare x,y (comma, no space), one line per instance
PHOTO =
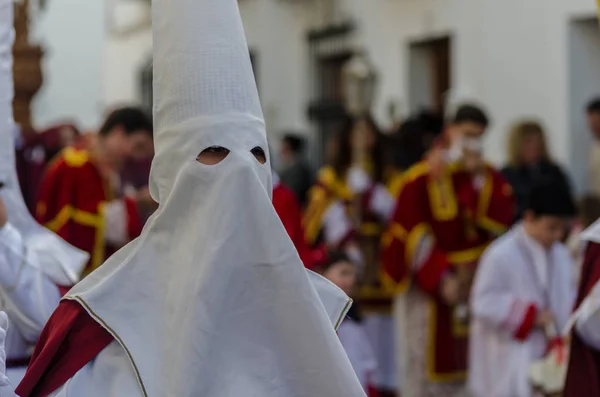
522,297
340,270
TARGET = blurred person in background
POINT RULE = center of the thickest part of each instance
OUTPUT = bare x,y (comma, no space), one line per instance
522,296
81,197
583,374
593,120
295,172
339,269
450,207
341,181
35,150
588,213
348,208
530,162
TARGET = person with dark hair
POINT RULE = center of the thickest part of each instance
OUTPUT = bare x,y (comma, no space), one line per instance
593,120
341,271
340,182
522,297
295,173
80,196
348,209
450,207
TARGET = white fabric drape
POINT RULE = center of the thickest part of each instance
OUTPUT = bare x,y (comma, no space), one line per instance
212,299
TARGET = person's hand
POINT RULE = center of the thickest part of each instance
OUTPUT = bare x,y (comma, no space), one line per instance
3,214
450,289
436,159
544,318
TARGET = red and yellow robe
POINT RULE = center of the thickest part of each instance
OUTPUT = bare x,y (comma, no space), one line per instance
329,188
70,203
288,208
438,226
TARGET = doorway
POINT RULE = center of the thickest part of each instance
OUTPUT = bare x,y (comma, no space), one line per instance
429,73
584,85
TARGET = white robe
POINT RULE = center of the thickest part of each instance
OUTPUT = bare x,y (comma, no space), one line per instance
514,273
27,295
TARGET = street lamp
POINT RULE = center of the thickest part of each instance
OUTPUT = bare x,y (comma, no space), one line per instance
360,81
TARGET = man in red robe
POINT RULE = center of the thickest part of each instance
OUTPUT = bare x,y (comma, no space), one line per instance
448,210
80,196
583,375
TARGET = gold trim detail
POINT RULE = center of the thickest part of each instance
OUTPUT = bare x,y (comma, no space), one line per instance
342,314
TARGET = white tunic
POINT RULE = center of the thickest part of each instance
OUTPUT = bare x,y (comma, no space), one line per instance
355,340
514,273
27,295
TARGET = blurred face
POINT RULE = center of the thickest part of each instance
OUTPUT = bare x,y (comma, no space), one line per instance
531,152
465,143
593,119
342,274
363,137
120,146
545,229
286,153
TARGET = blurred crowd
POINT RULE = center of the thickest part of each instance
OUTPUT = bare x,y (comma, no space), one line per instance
398,220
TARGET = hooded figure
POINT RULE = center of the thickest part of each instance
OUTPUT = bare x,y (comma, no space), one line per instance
34,263
212,299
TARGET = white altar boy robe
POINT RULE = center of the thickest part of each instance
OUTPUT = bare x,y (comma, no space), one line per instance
516,278
27,295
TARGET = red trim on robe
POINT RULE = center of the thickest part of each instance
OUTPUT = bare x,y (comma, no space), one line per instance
527,324
134,220
583,374
69,341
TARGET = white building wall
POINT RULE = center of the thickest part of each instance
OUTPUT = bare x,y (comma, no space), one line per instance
72,33
511,55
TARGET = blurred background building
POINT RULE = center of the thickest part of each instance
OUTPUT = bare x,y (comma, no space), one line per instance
518,58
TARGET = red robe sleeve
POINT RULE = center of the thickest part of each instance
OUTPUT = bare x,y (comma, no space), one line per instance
70,340
583,374
288,208
410,252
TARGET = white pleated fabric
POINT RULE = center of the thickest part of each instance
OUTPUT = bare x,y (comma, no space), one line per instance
212,299
57,259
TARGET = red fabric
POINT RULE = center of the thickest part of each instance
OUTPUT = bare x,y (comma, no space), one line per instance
583,375
134,220
288,208
70,340
431,272
527,324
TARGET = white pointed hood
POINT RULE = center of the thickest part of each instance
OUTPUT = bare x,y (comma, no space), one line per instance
59,260
212,299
